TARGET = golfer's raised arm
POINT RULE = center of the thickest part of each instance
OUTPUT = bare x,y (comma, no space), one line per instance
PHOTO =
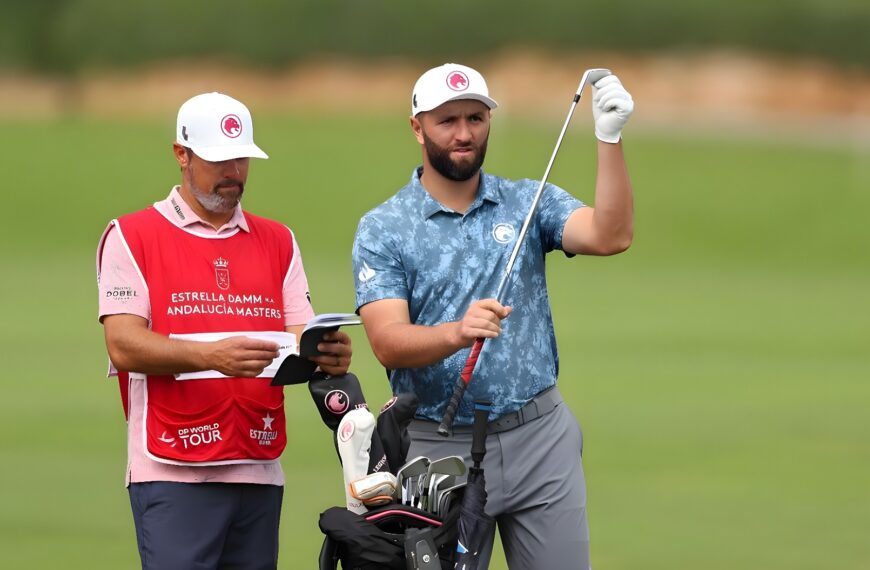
397,343
608,227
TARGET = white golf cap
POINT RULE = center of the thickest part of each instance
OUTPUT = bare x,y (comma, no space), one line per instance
449,82
217,127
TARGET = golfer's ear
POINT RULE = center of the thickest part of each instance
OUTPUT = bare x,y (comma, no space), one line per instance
417,128
181,154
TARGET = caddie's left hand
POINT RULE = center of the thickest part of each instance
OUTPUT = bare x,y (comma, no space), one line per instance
337,353
612,105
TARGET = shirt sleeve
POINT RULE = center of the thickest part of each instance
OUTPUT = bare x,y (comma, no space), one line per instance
553,212
297,299
378,271
121,287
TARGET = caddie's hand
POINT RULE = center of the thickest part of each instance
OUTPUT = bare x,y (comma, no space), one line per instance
481,320
240,356
337,353
612,105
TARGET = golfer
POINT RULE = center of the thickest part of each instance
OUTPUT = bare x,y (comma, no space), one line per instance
427,263
205,427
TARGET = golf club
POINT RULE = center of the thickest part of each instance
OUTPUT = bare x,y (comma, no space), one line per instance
408,473
445,497
354,439
589,76
450,465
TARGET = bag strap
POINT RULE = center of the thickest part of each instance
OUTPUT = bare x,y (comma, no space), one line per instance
328,554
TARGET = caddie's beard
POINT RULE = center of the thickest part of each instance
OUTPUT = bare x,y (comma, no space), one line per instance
458,171
223,196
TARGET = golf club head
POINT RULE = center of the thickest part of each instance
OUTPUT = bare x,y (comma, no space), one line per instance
438,483
591,76
450,465
445,497
408,472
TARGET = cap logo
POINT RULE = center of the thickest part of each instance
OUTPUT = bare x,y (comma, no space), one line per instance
184,132
231,126
457,81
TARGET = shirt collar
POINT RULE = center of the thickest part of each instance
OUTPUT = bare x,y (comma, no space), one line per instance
182,215
487,191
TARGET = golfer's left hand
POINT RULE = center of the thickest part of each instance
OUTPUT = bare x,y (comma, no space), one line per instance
612,105
336,360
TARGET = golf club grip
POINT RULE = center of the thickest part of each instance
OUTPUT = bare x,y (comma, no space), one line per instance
459,388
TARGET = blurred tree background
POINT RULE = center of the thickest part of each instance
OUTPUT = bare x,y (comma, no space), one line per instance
69,36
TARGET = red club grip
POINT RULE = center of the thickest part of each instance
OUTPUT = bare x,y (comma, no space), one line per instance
468,369
459,389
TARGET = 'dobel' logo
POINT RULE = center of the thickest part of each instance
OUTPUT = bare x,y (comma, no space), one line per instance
222,272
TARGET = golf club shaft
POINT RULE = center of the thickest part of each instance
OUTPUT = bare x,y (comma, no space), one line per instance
468,370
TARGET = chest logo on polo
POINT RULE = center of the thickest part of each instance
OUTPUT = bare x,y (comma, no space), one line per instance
503,233
222,272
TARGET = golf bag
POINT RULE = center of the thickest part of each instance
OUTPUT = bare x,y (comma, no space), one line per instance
383,538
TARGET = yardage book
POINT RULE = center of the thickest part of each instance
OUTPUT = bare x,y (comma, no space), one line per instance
296,369
320,325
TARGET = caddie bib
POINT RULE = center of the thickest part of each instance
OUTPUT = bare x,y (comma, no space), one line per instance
200,283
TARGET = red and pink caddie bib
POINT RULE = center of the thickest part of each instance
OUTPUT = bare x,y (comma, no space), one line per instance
200,283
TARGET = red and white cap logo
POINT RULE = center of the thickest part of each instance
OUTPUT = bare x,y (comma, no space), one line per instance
231,126
457,81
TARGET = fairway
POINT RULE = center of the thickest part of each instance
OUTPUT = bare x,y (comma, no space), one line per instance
719,368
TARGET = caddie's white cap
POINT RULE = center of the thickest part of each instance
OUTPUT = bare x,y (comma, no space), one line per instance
448,82
217,127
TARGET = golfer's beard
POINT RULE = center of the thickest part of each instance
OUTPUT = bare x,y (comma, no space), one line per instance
439,158
221,199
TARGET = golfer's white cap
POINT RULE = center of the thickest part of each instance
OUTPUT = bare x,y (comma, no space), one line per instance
217,127
449,82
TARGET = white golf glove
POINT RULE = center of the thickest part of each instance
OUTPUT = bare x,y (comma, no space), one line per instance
612,105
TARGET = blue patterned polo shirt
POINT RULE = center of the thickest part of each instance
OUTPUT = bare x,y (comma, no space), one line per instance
414,248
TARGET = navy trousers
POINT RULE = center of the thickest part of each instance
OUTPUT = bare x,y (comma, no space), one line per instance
206,526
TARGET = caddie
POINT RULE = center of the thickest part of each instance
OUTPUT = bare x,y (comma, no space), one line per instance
194,295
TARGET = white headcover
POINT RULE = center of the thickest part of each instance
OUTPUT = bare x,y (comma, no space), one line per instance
354,438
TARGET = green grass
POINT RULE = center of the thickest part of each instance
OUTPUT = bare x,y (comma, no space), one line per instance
719,368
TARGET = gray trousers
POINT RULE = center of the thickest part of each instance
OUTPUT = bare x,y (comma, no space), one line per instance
536,488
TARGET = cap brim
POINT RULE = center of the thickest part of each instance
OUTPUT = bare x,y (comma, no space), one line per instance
476,97
221,153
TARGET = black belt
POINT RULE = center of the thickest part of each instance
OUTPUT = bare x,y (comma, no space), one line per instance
542,404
